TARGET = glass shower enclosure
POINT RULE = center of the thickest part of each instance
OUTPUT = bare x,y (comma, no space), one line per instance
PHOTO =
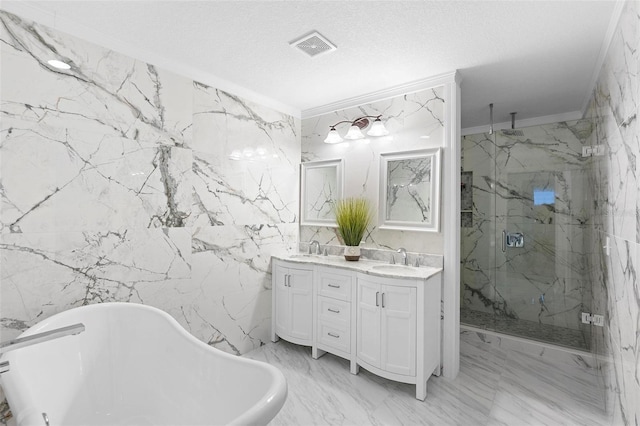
525,232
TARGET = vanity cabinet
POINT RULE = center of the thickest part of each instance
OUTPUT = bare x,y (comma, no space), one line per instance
398,328
388,324
335,316
292,301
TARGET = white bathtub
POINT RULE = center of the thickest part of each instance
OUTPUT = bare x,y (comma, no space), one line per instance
135,365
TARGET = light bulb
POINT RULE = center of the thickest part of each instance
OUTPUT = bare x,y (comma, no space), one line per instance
59,64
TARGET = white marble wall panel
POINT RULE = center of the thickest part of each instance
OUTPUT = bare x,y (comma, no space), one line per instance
103,91
262,188
244,194
117,186
65,179
414,121
479,241
232,283
225,122
615,189
47,273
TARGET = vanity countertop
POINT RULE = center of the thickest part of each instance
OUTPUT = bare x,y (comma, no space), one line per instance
371,267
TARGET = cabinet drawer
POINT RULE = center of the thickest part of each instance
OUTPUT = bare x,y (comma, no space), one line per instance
332,335
333,285
334,310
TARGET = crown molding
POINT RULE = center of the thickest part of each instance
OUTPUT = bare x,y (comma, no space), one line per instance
604,49
31,12
525,122
379,95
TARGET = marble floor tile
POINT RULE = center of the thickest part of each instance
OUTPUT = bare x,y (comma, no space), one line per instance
533,391
497,385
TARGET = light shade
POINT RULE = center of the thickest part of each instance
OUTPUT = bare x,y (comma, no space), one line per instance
354,133
378,129
333,136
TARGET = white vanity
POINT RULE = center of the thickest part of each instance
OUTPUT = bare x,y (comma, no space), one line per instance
384,318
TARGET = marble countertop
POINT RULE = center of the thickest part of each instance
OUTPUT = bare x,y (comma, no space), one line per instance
371,267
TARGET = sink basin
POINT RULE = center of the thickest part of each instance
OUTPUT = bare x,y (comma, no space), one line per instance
302,255
394,268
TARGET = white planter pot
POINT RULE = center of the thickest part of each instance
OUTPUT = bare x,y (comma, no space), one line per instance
352,252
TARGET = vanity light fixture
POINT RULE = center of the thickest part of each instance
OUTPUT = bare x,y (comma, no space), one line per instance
59,64
355,131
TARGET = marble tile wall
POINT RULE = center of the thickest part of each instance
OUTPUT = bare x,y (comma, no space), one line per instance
546,280
415,121
614,187
117,185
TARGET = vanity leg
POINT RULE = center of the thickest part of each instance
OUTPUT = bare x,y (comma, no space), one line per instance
355,368
421,390
274,337
317,353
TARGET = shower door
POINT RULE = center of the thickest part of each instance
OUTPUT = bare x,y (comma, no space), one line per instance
524,233
541,278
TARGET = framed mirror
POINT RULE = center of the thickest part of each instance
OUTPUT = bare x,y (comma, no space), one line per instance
410,190
321,185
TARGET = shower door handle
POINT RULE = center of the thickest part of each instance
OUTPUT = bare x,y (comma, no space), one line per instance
504,240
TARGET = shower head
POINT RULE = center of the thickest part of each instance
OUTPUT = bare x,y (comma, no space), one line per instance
512,131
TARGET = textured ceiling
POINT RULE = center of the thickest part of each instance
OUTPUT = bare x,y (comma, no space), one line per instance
537,58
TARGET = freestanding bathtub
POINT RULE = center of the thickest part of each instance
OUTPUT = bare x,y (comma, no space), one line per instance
135,365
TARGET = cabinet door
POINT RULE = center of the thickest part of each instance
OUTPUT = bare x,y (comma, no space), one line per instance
282,311
368,323
398,346
301,303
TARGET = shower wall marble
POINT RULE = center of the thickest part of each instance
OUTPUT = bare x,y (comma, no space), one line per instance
615,189
415,121
117,185
540,181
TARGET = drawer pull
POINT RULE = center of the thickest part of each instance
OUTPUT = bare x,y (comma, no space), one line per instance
333,286
335,311
334,335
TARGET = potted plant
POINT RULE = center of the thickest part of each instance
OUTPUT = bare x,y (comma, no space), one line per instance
353,215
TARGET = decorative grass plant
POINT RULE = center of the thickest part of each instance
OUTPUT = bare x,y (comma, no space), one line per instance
353,215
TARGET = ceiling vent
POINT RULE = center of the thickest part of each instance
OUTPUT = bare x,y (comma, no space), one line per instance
313,44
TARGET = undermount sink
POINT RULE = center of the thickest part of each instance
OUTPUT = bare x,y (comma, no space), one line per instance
302,255
393,268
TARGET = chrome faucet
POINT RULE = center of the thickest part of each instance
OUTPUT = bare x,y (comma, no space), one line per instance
45,336
403,252
35,339
314,243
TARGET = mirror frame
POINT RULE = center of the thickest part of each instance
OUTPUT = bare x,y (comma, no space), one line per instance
434,203
305,167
